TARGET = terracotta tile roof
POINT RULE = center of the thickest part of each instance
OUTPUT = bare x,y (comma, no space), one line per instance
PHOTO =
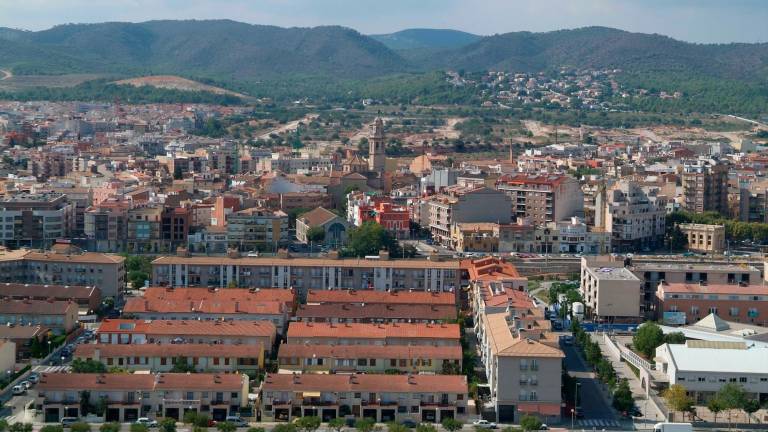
318,216
287,296
55,291
188,327
378,311
217,301
370,351
22,332
504,343
84,258
373,331
145,382
366,382
384,297
525,179
731,289
166,350
35,307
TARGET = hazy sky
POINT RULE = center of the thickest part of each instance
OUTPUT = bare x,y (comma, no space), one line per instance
691,20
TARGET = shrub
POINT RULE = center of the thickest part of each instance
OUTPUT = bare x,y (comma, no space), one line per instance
80,427
110,427
52,428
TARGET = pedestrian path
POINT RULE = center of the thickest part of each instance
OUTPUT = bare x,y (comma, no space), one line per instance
598,423
51,369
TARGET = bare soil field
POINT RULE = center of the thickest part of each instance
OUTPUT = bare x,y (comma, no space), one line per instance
173,82
11,82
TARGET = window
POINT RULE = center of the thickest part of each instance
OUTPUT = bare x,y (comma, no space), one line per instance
742,379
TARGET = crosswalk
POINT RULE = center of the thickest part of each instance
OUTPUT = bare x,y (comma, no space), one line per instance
598,423
51,369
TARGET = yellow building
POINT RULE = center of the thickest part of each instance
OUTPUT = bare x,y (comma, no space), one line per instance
704,238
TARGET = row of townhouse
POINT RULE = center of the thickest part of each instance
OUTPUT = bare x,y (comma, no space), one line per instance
130,396
520,355
304,274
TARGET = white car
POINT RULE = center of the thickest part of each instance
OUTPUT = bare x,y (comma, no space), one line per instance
484,424
26,384
18,390
146,422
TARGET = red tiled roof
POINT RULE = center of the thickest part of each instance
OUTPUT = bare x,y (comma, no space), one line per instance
378,311
133,382
373,331
371,297
218,301
370,351
36,307
366,382
732,289
54,291
188,327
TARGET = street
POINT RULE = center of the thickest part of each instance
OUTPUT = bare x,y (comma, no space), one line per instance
597,412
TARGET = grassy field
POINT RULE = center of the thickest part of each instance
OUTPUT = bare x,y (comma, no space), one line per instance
21,82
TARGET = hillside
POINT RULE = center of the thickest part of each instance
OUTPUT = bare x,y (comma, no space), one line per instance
426,38
172,82
599,47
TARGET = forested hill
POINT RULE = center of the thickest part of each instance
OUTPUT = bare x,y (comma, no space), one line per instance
232,51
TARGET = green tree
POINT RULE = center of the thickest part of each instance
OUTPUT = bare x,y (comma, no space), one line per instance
647,338
451,425
20,427
3,425
365,424
135,427
368,239
622,397
226,426
316,234
182,365
306,423
88,366
530,423
715,406
675,338
336,424
750,406
167,425
677,398
733,397
80,427
110,427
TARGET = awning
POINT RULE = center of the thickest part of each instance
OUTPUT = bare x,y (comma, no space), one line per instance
552,409
310,394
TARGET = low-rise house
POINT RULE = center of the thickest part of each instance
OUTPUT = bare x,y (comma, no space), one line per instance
373,334
369,359
163,357
334,226
704,238
7,355
125,331
380,297
376,313
86,297
23,337
384,398
704,367
57,315
130,396
158,303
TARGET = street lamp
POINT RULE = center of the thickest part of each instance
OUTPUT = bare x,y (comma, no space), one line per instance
573,417
49,347
62,360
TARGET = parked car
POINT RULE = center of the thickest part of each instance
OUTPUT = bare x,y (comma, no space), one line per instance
543,427
26,384
409,423
69,421
237,421
18,390
146,422
34,378
484,424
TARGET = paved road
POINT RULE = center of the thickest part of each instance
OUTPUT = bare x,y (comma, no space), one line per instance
590,397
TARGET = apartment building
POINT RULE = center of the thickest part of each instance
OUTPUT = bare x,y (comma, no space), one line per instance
458,204
543,198
571,236
517,349
635,217
384,398
369,359
704,238
130,396
689,302
652,273
105,225
61,316
362,297
610,291
144,226
64,264
257,229
363,207
86,297
705,186
126,331
35,220
160,303
163,357
704,367
303,274
414,334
